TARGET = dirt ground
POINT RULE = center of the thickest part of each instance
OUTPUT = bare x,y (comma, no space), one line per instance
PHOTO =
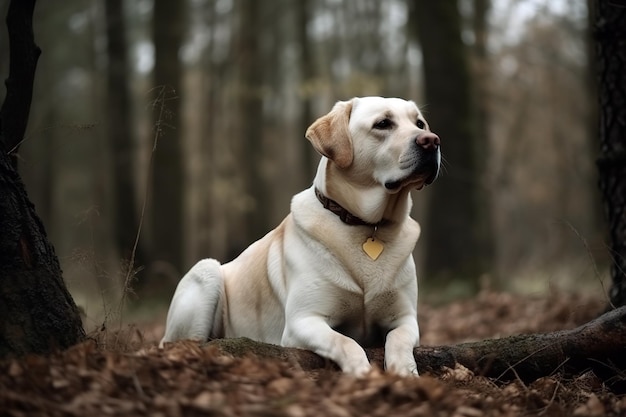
124,374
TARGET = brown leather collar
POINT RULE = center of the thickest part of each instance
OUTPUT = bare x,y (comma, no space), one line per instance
343,214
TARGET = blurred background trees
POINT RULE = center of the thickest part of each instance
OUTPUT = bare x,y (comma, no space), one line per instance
166,205
226,88
448,92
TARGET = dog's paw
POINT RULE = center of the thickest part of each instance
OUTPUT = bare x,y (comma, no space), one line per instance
357,368
405,371
410,372
408,368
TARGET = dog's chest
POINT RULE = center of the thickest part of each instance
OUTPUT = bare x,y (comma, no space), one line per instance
363,319
372,276
326,236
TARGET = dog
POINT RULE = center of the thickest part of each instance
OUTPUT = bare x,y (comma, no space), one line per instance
338,273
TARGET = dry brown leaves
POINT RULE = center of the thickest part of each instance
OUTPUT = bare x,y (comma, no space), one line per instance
186,379
496,314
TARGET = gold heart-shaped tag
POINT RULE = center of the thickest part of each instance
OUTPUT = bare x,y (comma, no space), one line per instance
373,248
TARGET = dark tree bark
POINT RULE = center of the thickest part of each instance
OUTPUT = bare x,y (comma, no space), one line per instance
480,76
250,103
119,115
481,68
456,241
307,74
37,313
23,56
168,29
609,32
598,345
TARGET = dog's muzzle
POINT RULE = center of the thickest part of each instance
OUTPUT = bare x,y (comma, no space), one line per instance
424,162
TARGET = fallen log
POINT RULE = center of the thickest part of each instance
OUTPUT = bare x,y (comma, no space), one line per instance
599,345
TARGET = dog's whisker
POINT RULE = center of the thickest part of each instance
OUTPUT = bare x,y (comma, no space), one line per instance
444,165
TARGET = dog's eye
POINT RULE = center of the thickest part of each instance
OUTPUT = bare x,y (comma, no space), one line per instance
420,124
383,124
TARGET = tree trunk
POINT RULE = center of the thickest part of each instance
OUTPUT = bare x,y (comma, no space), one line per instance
307,74
23,56
120,140
456,243
250,103
480,76
597,345
37,313
168,28
610,36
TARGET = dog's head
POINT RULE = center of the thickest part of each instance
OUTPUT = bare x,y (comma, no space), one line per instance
379,141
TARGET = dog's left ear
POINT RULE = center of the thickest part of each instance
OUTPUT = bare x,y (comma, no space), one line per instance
330,135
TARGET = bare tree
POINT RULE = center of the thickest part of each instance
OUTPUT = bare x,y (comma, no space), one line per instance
609,30
38,314
250,106
119,121
307,72
168,29
481,73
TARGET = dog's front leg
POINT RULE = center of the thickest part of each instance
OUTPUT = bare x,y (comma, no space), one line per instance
314,333
399,346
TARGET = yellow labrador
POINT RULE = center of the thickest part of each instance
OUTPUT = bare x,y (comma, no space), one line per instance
338,272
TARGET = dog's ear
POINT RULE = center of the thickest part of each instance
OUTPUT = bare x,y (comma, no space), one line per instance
330,135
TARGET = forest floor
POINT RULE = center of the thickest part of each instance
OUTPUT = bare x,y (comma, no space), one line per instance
125,374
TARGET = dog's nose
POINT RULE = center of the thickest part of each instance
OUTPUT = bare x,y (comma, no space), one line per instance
428,140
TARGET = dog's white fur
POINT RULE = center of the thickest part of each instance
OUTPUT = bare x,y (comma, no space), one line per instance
308,283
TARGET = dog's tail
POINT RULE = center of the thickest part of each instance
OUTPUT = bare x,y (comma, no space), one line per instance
195,311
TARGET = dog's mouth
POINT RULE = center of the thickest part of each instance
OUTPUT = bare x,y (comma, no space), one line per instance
419,182
418,178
